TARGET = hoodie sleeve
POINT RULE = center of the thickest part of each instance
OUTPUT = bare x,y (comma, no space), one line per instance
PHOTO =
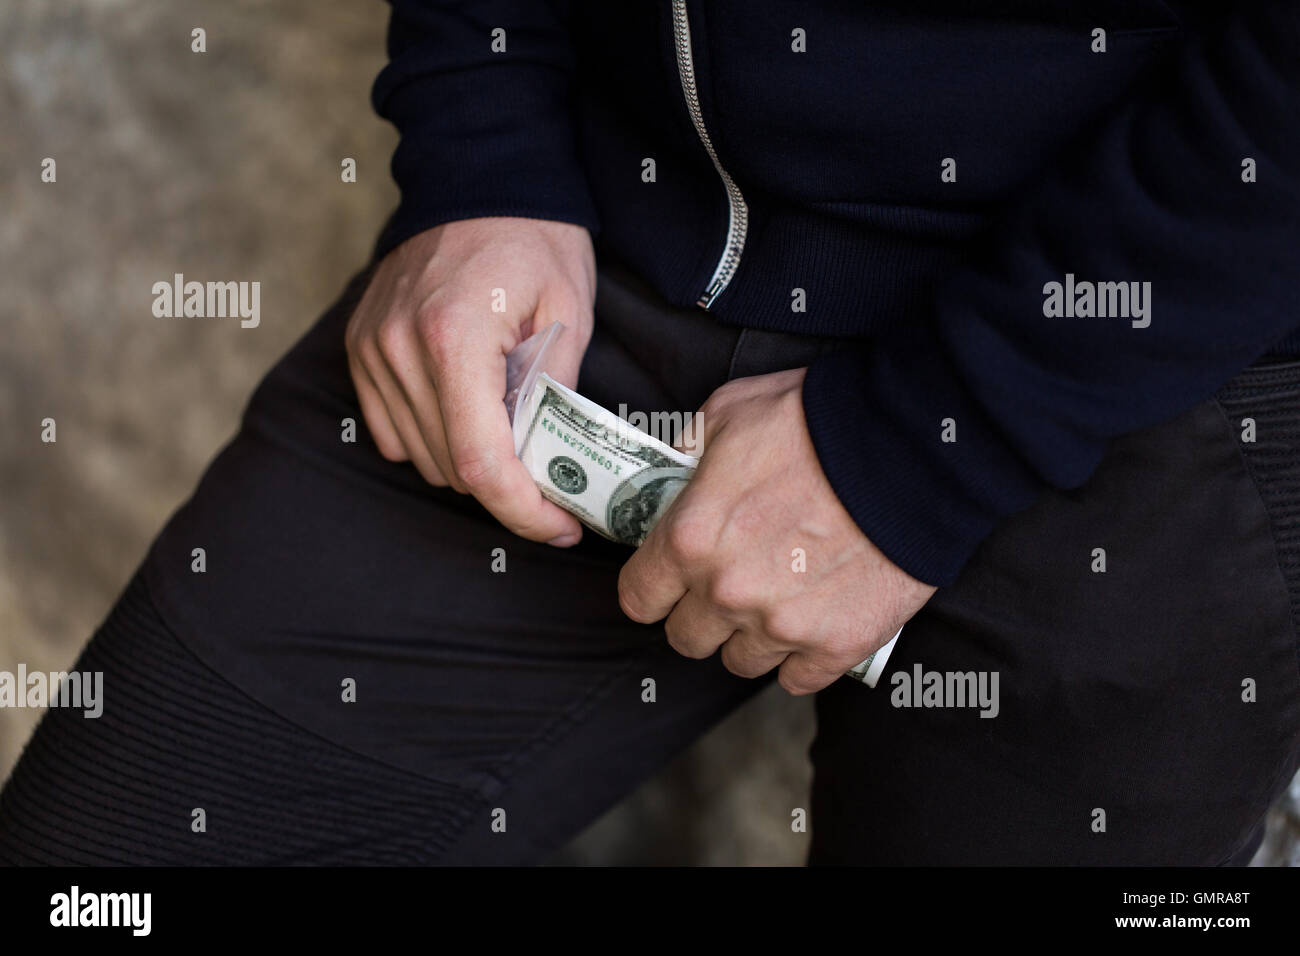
480,93
1193,187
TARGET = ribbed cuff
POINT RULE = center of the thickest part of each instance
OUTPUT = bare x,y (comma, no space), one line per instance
410,218
496,142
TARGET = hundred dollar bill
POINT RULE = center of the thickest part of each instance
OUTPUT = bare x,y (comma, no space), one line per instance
615,478
869,671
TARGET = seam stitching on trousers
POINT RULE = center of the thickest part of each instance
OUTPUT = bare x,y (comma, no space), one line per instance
1252,474
537,744
1285,767
326,741
735,354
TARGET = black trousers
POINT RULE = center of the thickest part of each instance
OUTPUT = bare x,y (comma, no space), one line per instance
349,679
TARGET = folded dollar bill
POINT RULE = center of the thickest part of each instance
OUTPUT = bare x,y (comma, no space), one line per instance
615,478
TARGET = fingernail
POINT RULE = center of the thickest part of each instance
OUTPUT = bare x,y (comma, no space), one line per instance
564,540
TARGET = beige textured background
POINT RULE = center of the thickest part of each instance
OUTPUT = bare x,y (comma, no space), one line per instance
226,166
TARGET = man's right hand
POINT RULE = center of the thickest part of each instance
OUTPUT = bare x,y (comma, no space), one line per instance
427,353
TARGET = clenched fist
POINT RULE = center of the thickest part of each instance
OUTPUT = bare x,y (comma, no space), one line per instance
718,564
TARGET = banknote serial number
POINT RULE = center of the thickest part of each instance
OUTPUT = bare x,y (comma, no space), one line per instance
580,447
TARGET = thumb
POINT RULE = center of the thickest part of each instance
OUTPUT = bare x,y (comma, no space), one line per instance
564,359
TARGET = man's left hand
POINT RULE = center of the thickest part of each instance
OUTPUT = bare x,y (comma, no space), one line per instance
757,555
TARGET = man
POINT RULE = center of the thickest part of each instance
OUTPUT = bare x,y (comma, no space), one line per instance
990,314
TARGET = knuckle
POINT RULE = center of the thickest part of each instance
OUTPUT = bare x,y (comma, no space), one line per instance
390,338
688,537
628,602
722,396
439,332
795,685
732,592
366,352
788,625
478,471
684,645
736,662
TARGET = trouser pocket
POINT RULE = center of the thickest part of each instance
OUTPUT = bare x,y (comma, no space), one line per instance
1262,405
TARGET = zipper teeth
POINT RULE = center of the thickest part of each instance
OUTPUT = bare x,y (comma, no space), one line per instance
738,212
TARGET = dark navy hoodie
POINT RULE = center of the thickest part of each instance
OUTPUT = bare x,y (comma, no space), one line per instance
976,193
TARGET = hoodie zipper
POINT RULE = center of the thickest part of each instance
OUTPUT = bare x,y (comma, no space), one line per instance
738,218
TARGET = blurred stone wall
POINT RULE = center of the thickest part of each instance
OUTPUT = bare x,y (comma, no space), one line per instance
226,165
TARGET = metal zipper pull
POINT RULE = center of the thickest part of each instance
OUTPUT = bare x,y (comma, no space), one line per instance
738,218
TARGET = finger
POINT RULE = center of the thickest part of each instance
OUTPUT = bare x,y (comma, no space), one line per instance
565,363
482,451
404,422
421,399
802,673
428,418
651,583
695,629
382,430
747,654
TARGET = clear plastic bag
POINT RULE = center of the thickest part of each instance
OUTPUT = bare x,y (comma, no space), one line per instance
524,363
